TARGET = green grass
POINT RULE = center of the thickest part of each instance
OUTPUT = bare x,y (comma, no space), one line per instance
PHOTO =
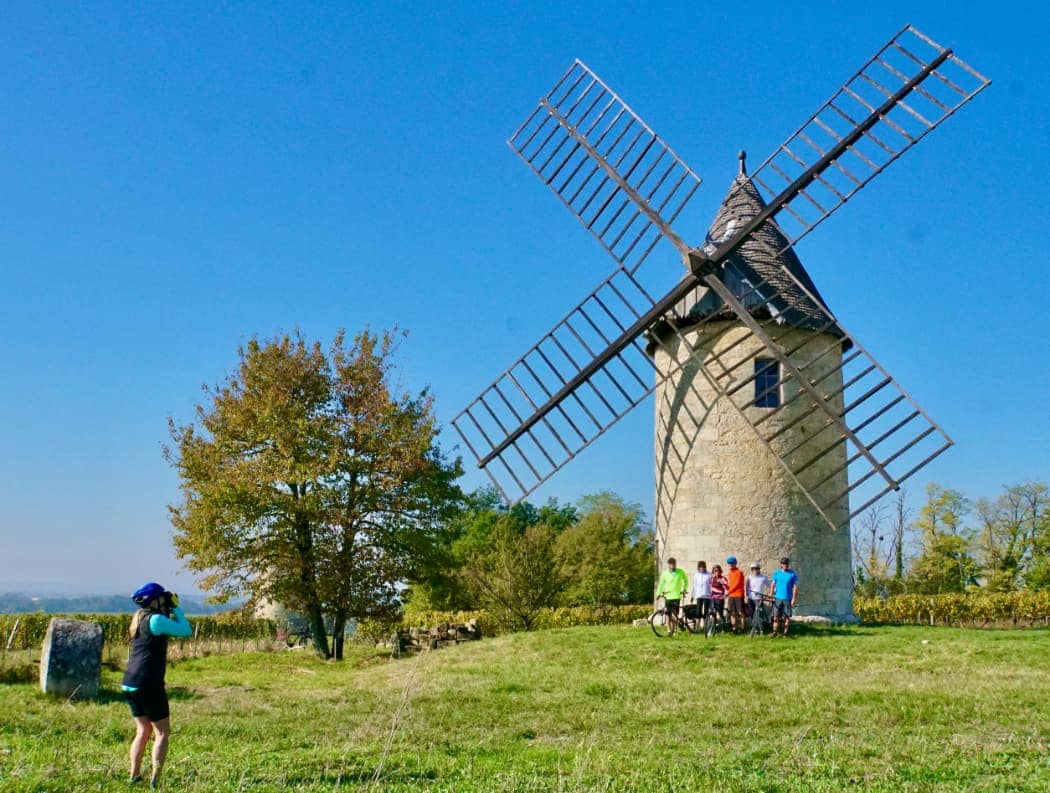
578,709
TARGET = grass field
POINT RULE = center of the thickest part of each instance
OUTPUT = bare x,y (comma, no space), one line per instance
606,709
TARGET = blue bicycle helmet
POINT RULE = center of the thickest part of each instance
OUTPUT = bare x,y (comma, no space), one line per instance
731,560
147,592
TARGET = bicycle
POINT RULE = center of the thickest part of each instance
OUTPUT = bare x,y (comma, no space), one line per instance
762,617
716,621
297,633
688,618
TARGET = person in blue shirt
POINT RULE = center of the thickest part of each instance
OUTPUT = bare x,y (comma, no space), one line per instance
157,618
785,590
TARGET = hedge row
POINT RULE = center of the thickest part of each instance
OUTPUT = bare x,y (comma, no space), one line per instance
548,618
975,609
971,608
26,631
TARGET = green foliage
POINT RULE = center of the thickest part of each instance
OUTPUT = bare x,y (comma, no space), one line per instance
968,609
27,631
309,481
943,511
520,559
492,624
1013,538
607,556
468,533
1004,547
945,563
878,548
971,608
516,576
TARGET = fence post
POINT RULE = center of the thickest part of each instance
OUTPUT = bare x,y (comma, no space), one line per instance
11,638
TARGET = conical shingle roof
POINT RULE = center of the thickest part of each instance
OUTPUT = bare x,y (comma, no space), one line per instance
757,272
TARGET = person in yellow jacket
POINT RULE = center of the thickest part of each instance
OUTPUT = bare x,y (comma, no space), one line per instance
673,586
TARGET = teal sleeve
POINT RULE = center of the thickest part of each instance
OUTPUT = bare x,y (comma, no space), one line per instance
177,626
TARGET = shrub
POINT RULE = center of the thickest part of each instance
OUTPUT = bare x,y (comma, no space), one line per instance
978,608
566,617
27,631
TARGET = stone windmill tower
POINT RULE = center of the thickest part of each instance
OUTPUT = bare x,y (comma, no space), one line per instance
718,488
775,426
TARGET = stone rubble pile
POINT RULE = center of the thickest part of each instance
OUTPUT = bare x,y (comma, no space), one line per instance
443,635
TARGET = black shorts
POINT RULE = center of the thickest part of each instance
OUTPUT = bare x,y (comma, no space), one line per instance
783,609
671,606
150,703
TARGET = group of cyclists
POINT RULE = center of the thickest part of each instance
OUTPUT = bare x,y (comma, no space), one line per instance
731,596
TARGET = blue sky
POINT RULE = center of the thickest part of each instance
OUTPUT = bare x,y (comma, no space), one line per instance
179,179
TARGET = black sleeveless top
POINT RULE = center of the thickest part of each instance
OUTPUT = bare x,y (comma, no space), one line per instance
147,656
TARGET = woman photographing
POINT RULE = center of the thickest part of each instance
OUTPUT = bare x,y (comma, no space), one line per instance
158,617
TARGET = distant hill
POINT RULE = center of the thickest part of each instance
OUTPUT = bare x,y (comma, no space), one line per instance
20,603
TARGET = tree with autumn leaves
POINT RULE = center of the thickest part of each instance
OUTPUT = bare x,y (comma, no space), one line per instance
308,479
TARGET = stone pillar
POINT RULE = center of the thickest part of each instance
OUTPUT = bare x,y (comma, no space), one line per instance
720,492
71,659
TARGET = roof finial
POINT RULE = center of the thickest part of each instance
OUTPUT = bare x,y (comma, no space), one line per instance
742,156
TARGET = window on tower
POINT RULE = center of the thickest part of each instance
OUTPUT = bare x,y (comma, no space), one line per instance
767,383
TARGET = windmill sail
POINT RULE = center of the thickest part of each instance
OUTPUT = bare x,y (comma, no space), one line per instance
611,170
904,91
837,394
888,435
568,390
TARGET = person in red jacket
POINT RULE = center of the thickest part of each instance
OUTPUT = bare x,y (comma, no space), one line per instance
737,615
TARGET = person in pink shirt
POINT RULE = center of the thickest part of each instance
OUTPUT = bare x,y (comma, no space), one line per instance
719,589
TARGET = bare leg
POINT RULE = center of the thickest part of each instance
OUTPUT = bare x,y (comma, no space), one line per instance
161,732
138,745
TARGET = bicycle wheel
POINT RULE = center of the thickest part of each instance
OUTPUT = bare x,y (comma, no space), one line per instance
696,625
659,623
713,624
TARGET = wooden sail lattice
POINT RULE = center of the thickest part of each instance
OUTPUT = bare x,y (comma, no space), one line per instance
627,187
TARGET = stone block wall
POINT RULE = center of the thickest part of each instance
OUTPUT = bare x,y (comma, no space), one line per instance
719,490
433,638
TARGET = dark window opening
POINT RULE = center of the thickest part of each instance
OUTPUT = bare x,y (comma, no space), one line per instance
767,383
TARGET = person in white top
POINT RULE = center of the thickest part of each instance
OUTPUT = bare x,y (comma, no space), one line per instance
756,585
702,589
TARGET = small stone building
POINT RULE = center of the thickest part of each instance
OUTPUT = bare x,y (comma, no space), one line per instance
719,491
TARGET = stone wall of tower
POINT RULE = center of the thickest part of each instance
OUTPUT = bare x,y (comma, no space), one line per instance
719,491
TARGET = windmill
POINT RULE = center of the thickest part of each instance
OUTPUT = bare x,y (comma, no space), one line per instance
774,425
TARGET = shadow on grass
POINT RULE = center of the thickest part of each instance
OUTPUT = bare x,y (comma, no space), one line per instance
182,694
19,673
800,630
866,629
108,696
361,776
